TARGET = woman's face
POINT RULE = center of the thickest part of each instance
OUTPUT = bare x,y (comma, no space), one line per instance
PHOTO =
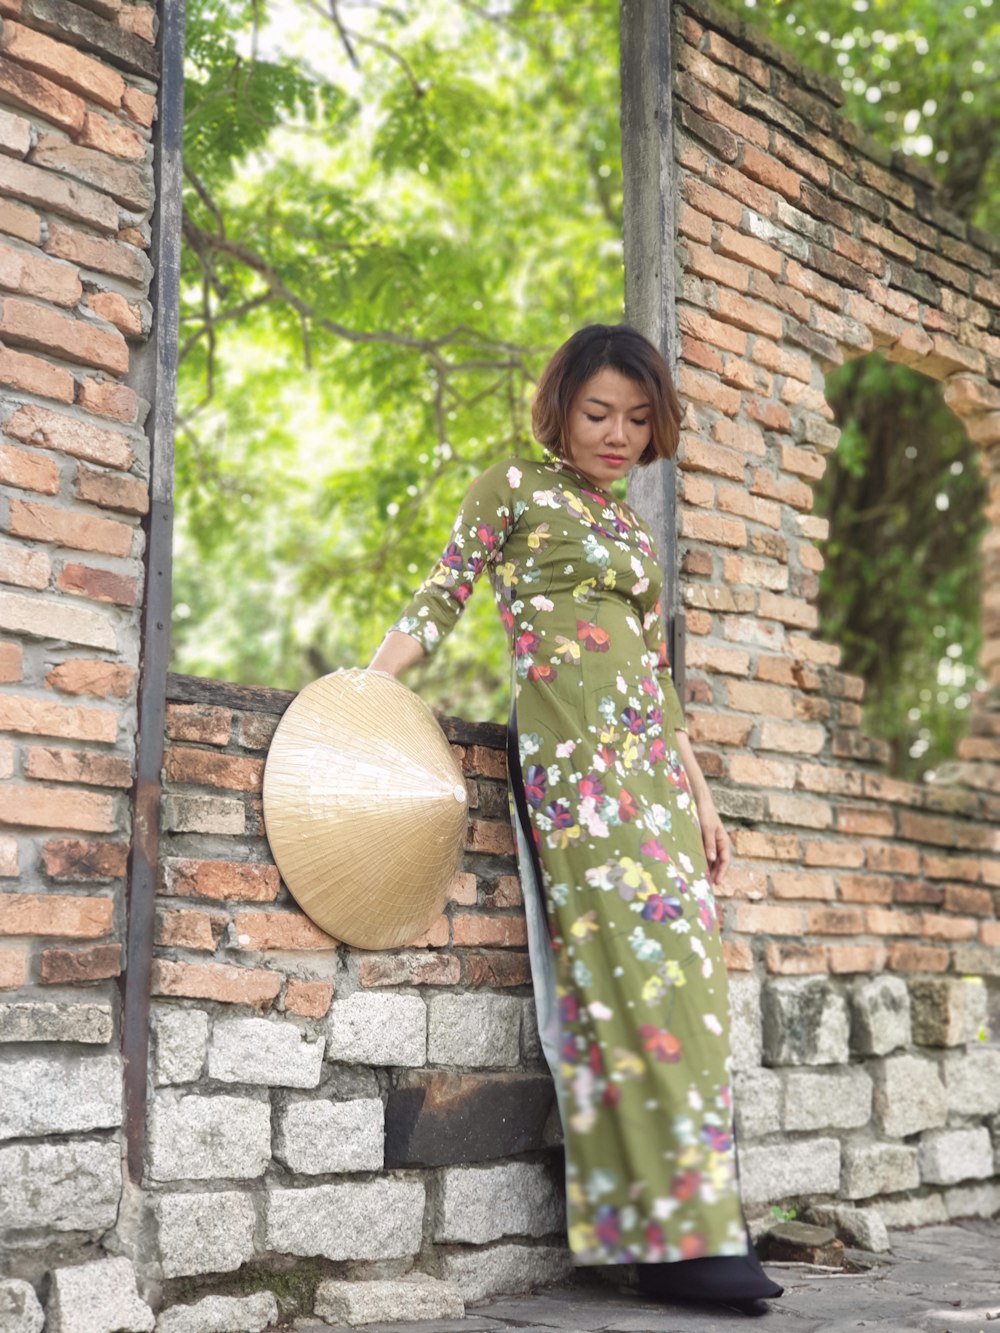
608,427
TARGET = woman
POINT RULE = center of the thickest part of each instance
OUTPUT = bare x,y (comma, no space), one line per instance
619,840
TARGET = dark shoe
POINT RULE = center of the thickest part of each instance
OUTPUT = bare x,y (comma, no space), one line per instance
735,1279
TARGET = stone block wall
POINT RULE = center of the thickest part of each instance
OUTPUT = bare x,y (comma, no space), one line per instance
78,98
862,913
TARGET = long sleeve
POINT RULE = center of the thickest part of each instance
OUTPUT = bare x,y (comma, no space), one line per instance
484,522
654,632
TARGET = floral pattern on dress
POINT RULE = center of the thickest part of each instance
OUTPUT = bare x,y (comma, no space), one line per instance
644,1065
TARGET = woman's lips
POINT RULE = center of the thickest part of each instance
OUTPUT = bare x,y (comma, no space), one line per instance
613,458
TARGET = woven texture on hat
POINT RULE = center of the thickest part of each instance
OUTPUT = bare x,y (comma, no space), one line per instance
365,808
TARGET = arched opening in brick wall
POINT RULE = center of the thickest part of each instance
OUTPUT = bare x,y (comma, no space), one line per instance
900,582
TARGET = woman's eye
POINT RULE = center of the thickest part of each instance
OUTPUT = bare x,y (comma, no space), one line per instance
590,417
637,422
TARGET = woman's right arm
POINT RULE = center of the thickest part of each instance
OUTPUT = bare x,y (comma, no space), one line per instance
397,653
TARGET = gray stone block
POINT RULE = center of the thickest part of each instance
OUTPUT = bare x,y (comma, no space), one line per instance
757,1099
915,1212
950,1155
378,1030
97,1298
73,1186
909,1095
416,1296
973,1200
531,1044
947,1011
878,1168
805,1023
377,1219
204,1233
208,1138
263,1050
484,1203
60,1094
48,1020
745,1022
821,1099
20,1311
477,1031
880,1010
180,1042
221,1314
788,1170
862,1227
321,1137
972,1081
501,1270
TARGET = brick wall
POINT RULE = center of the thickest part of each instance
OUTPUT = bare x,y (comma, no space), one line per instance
77,106
857,903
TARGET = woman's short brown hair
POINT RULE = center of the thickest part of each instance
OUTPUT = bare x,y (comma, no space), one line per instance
592,349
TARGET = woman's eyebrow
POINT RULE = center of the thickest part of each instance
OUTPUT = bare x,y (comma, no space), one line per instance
601,403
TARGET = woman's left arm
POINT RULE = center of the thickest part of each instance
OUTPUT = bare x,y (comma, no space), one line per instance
718,848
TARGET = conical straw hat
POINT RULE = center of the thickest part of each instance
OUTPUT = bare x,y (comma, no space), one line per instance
365,808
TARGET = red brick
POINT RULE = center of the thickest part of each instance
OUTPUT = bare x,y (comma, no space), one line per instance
125,316
21,370
707,264
98,963
70,435
101,680
205,769
796,959
46,807
125,182
139,106
116,258
110,490
735,309
23,566
495,968
9,858
881,922
243,881
15,134
83,74
486,762
505,892
436,937
33,325
975,902
865,888
108,398
410,969
51,617
21,222
11,662
279,930
749,251
471,929
937,927
36,275
101,585
90,767
184,928
82,532
216,981
713,203
199,722
767,919
464,890
310,999
989,933
52,193
737,956
39,717
699,388
906,957
801,884
55,914
487,835
13,968
68,860
138,19
111,136
710,331
760,167
31,92
848,958
836,921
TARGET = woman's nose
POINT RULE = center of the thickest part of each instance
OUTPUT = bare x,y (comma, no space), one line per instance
616,430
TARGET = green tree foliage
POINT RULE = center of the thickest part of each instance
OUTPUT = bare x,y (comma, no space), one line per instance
392,213
901,589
